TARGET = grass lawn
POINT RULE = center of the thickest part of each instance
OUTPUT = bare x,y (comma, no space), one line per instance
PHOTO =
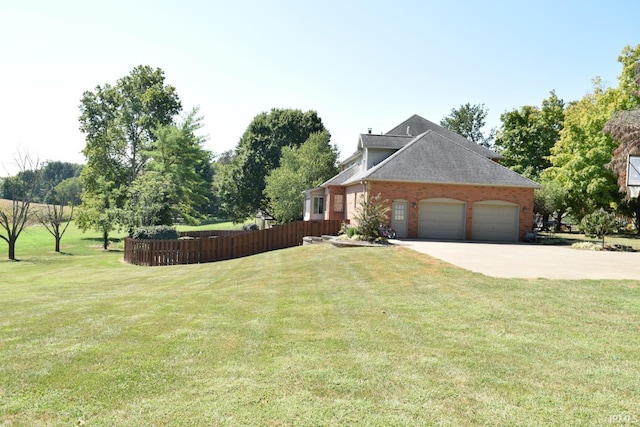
312,335
222,225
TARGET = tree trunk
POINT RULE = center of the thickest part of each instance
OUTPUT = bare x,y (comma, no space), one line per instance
105,240
545,221
12,249
558,225
57,243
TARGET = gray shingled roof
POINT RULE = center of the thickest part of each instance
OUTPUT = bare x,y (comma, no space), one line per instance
342,177
418,125
434,158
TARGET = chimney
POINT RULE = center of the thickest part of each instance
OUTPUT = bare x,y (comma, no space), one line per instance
369,129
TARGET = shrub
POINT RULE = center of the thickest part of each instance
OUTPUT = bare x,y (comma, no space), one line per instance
351,231
250,227
600,223
156,232
371,213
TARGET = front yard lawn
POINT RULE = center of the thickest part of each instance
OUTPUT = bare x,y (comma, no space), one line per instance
313,335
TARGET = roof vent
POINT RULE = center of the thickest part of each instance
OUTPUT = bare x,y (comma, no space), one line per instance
408,130
369,129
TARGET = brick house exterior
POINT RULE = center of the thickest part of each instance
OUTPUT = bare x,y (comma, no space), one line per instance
436,184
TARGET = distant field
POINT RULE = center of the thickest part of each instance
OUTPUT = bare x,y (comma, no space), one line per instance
312,335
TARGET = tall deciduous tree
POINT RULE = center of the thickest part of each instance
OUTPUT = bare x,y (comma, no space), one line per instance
300,168
527,135
242,184
468,121
580,157
624,128
118,123
22,188
178,157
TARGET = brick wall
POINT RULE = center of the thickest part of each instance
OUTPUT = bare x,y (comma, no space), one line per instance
469,194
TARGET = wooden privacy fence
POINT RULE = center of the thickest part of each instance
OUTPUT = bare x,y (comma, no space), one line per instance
208,246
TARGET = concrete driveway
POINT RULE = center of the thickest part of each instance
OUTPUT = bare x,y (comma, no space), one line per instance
521,260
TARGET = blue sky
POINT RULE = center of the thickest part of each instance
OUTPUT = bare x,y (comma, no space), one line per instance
358,64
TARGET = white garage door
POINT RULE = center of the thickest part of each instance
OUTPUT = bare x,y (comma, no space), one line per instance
496,221
441,219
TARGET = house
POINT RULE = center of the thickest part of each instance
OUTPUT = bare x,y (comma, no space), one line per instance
437,184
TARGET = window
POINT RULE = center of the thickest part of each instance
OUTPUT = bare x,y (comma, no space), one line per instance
338,203
318,205
399,211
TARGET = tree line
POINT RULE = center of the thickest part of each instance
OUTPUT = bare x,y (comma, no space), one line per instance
146,163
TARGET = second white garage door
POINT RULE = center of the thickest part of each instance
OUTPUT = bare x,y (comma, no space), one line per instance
442,219
496,221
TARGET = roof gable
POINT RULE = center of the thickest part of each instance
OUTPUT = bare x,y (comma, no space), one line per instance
416,125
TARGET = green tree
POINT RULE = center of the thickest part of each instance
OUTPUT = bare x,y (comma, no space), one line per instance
527,135
300,168
72,189
624,128
49,175
148,201
600,224
242,184
468,121
580,157
100,211
13,187
118,123
549,200
178,157
21,189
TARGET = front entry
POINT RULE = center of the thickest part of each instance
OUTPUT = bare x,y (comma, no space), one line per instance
399,218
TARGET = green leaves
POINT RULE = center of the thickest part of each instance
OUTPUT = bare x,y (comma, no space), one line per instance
527,135
119,124
600,223
371,213
468,121
258,153
579,157
301,168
